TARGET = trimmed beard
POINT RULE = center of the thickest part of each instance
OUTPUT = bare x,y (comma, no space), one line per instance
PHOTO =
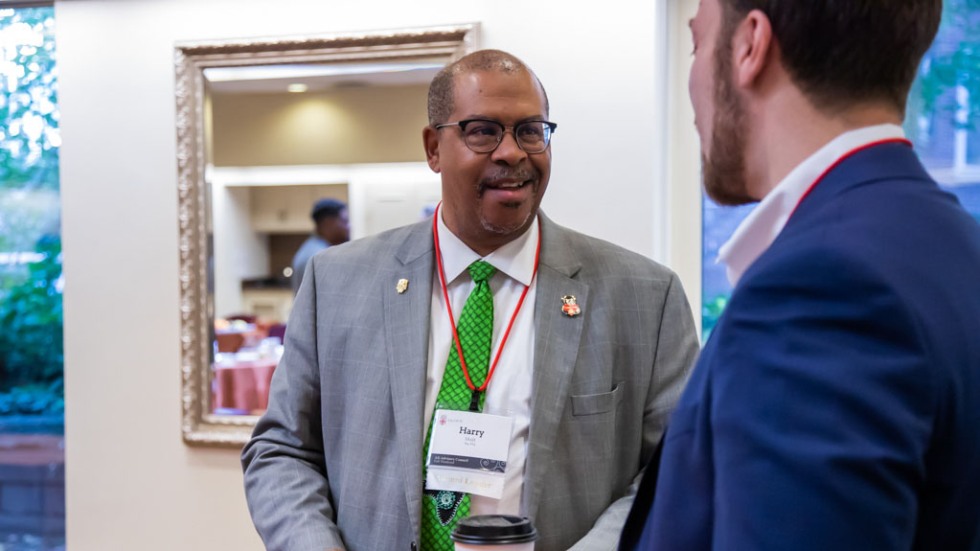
723,170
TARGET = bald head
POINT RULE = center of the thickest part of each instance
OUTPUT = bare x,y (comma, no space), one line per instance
442,89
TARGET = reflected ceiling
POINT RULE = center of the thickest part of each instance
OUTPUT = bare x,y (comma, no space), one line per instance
319,77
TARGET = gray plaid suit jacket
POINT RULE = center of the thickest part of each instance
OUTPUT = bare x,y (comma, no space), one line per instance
336,461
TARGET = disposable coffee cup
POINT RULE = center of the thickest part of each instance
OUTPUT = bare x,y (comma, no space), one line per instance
494,533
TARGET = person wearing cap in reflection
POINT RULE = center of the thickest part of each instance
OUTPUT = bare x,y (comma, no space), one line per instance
594,344
332,228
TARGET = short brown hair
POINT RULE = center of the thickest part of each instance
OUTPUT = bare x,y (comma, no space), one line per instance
441,90
840,52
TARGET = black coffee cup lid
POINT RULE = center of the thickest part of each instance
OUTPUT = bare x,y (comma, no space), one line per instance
494,529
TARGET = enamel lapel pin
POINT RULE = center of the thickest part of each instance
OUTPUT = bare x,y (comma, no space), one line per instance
569,306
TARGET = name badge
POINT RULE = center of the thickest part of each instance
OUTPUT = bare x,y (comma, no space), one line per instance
468,452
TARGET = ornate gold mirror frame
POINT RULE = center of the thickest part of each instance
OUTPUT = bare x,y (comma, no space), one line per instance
199,425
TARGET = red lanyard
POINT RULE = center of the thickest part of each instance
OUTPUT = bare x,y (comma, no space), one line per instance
841,160
449,307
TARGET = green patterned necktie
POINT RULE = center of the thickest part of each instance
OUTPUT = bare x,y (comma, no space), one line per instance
441,509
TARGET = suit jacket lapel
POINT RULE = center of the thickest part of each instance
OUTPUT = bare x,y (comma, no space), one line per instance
406,327
555,351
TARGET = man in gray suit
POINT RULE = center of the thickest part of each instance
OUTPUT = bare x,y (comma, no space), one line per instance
591,345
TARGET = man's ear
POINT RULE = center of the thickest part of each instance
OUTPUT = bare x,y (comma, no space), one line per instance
751,48
430,139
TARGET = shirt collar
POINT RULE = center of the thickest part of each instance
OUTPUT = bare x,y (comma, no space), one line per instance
761,227
516,258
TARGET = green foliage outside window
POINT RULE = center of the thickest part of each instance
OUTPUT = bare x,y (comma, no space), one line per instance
31,346
31,343
950,64
28,103
710,314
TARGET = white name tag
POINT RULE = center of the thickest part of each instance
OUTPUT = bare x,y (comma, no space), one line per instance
468,452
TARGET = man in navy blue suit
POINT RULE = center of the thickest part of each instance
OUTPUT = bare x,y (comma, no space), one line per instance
836,405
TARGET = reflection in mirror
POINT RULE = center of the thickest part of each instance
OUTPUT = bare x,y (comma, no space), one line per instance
344,132
265,129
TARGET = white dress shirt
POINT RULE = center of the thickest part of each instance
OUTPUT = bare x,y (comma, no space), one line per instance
509,391
759,229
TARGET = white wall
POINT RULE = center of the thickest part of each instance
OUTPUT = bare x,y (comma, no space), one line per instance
132,483
239,251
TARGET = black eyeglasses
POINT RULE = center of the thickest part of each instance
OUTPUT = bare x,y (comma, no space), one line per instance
483,136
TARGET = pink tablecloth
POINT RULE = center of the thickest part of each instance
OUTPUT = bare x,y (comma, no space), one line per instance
243,386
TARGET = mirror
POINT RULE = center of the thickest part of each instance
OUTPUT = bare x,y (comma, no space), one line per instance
252,158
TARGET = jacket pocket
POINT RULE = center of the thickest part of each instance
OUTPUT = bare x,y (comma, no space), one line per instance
593,404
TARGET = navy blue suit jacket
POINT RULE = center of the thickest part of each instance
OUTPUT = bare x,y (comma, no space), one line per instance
836,406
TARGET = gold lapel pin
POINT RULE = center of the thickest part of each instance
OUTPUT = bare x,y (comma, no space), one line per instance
402,286
569,306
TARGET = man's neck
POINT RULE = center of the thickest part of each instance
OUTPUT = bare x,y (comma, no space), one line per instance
793,130
488,243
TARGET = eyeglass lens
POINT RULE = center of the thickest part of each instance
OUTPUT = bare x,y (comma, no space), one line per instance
484,136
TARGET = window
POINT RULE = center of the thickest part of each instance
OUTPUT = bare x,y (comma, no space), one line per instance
942,120
944,105
31,346
718,224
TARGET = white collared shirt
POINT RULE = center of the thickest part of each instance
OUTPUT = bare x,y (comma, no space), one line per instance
759,229
509,391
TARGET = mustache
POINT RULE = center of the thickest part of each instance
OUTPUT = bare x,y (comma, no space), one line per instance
521,174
